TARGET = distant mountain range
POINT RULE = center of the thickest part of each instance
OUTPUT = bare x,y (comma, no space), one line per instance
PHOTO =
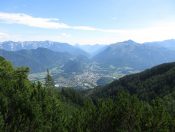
135,55
37,59
92,49
169,44
40,55
54,46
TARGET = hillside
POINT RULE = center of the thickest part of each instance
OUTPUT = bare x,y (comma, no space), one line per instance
28,107
36,59
158,81
168,44
123,54
92,50
134,55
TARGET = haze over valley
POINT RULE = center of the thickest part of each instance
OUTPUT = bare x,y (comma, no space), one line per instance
87,66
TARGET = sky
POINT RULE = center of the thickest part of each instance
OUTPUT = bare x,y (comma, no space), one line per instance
87,21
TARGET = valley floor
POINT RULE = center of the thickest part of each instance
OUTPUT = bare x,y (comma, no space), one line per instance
91,76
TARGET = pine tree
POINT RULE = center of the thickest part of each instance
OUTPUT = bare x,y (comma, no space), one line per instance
49,82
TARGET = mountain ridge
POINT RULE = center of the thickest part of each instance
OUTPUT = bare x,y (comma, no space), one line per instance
157,81
36,59
55,46
135,55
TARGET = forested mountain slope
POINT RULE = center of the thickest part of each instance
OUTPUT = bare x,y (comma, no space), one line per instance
134,55
158,81
36,59
28,107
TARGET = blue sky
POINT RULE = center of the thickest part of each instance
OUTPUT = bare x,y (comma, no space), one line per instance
87,21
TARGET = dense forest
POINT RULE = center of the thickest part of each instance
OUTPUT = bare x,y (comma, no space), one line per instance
139,102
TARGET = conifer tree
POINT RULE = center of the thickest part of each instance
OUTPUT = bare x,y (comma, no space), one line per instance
49,82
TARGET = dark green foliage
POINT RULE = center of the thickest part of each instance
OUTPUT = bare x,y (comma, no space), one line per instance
104,80
34,107
72,96
25,106
125,113
49,82
155,82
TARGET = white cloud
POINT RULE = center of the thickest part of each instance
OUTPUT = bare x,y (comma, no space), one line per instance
20,18
88,28
157,32
160,30
50,23
66,35
3,36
